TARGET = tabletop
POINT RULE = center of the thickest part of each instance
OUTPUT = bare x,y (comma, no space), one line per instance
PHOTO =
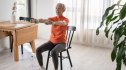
6,25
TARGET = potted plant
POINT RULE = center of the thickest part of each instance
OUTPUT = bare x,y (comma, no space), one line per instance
114,25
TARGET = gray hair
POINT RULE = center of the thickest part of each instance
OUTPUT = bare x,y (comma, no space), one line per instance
61,5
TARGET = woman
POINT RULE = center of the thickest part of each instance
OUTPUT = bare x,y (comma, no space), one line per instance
57,38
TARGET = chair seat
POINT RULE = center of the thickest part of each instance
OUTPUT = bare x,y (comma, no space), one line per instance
66,49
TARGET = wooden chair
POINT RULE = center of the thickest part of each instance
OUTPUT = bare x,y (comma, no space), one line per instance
69,36
11,39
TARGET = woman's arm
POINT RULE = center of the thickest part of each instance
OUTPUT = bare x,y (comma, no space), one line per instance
41,21
49,22
62,23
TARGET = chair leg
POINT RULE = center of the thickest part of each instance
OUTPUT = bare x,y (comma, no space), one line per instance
47,60
11,43
61,66
69,58
22,48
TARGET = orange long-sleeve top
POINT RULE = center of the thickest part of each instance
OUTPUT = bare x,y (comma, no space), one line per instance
58,32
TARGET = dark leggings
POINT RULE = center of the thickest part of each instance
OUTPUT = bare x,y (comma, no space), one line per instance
55,50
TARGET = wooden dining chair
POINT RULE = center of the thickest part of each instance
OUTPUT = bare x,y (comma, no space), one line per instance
69,36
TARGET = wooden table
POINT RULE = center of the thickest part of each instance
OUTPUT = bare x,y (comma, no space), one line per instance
22,32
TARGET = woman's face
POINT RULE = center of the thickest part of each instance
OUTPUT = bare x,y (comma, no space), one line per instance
59,10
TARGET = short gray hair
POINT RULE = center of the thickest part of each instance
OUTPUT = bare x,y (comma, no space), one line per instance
61,5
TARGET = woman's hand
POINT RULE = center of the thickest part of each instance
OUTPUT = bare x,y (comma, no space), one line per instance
41,20
37,20
48,22
33,20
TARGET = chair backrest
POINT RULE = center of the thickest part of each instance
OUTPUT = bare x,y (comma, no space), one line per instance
69,35
25,19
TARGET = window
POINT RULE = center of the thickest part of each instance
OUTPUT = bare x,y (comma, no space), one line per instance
86,13
21,8
73,10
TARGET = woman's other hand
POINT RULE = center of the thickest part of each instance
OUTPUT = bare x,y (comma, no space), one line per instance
33,20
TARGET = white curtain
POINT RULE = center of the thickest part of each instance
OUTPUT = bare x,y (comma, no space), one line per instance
86,16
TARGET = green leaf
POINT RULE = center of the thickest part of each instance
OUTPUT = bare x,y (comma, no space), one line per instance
124,61
121,49
125,30
124,58
118,34
120,54
111,36
104,17
106,14
113,54
116,38
119,65
123,12
116,21
119,57
114,30
106,31
97,31
107,11
109,18
115,17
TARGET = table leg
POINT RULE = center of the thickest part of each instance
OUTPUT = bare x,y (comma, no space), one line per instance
15,46
33,46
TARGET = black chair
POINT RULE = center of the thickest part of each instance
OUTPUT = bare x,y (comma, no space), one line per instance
25,19
69,36
11,39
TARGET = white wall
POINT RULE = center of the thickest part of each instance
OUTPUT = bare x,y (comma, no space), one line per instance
43,9
5,12
5,9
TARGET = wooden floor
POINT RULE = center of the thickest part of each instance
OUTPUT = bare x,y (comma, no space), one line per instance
83,58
